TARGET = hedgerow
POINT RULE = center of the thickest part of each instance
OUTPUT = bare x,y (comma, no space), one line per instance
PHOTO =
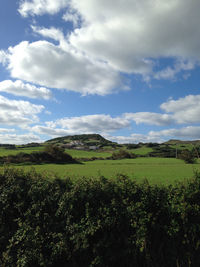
97,222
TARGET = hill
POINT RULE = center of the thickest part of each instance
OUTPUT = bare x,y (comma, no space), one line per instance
92,141
180,142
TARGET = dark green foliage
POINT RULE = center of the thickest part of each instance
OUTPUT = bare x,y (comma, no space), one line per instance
163,151
7,146
123,154
132,146
187,156
51,154
152,144
98,222
30,145
86,139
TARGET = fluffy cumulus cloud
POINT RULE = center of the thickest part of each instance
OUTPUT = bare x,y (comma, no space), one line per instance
189,132
18,113
6,130
54,66
127,36
18,138
185,110
40,7
19,88
182,111
185,133
93,123
135,138
147,29
150,118
3,57
171,72
99,123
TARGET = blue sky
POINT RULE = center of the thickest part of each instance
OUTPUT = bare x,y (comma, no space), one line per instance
128,71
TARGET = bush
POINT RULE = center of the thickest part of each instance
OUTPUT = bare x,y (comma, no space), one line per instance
187,156
97,222
51,154
122,154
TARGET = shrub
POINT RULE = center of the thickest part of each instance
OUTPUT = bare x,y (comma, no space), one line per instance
187,156
53,155
97,222
122,154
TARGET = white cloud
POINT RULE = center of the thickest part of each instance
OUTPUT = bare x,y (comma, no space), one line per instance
40,7
19,113
99,123
185,110
53,33
129,35
170,73
4,130
72,17
49,65
50,131
19,88
135,138
3,57
186,133
93,123
146,29
181,111
19,139
150,118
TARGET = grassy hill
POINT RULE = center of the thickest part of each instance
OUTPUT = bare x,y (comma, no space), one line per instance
180,142
82,140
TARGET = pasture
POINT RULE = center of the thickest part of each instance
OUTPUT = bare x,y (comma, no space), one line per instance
161,171
6,152
156,170
87,154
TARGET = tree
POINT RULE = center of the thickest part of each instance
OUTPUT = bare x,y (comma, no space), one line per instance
187,156
58,154
54,150
123,154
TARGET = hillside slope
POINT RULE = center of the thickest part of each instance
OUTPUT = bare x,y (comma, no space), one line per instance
82,140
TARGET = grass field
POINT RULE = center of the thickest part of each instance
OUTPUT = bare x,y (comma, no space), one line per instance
75,153
141,150
6,152
155,170
87,154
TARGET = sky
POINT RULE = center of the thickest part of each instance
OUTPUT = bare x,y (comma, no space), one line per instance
126,69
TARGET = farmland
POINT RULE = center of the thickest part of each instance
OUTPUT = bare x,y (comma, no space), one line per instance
149,163
155,170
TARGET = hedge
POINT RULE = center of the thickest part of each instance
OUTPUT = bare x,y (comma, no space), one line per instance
46,221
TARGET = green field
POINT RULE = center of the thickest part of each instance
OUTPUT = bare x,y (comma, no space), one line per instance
6,152
87,154
141,150
155,170
104,154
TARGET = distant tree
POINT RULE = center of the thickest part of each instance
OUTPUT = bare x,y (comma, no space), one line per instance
187,156
58,153
152,144
123,154
132,146
54,150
